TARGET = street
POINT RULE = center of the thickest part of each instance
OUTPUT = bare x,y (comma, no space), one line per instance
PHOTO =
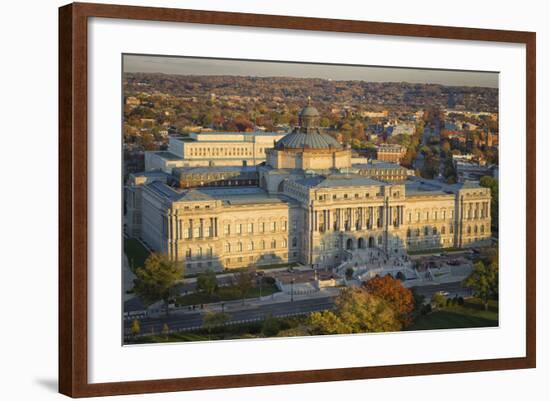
193,320
453,289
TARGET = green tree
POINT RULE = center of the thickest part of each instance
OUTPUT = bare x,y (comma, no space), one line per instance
165,330
213,319
439,300
492,184
136,327
271,327
207,282
483,280
155,281
356,311
244,282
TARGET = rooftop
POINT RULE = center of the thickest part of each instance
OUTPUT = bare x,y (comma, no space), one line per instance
338,180
229,196
214,169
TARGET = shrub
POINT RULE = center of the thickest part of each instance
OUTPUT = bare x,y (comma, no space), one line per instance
460,301
439,300
271,327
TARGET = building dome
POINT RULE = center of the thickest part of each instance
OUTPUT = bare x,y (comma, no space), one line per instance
308,135
309,111
309,118
301,140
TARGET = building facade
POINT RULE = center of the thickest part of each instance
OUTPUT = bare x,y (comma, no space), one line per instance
309,204
390,152
207,149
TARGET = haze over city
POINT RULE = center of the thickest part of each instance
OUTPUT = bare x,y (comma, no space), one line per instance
204,66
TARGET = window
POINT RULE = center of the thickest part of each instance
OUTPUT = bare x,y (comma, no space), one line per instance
227,229
262,227
426,232
250,228
273,226
284,225
356,196
262,244
434,230
284,245
227,247
188,253
443,230
251,246
239,229
294,242
273,244
240,247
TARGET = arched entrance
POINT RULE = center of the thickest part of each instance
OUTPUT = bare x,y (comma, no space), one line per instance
349,244
371,242
361,243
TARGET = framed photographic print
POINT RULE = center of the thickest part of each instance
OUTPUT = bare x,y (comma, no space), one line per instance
251,200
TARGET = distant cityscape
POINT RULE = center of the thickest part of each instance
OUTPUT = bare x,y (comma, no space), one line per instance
280,206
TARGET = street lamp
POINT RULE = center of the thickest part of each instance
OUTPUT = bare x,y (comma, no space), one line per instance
223,307
292,290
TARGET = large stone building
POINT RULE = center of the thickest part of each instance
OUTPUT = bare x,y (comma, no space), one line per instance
307,203
203,149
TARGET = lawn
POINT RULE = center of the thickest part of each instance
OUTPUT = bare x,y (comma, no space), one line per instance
136,252
229,293
472,314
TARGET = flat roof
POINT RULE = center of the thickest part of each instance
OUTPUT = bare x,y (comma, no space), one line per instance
215,169
338,180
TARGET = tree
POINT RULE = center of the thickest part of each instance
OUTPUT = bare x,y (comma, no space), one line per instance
244,282
483,280
271,327
136,327
207,282
439,300
214,319
155,281
492,184
165,330
392,291
357,311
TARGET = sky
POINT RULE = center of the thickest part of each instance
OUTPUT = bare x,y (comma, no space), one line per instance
213,66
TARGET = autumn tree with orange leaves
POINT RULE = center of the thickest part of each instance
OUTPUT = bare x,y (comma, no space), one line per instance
399,298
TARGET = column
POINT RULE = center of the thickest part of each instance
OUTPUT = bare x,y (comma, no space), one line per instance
316,220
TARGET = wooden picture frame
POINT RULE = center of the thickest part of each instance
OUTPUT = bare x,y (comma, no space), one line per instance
73,204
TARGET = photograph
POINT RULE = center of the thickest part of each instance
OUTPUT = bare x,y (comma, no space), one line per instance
280,199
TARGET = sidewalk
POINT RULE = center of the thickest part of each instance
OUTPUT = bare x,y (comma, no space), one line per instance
252,303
